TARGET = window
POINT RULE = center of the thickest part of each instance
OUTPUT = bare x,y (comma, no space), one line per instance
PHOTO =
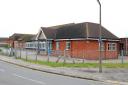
57,45
42,45
111,46
36,45
39,45
29,44
68,45
26,45
50,45
102,47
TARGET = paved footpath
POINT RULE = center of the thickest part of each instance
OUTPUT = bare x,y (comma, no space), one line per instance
114,76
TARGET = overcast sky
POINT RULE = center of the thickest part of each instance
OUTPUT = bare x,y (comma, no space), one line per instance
27,16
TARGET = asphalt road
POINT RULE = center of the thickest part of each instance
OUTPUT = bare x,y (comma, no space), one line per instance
15,75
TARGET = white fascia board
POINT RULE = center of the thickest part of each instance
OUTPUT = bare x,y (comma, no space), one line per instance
50,39
70,39
44,34
39,34
85,39
74,39
113,40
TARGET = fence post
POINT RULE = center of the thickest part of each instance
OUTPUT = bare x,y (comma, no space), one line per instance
48,55
83,56
26,55
10,51
7,51
36,54
58,54
64,56
37,49
20,53
122,57
15,52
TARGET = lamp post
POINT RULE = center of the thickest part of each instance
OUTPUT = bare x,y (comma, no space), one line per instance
100,38
126,46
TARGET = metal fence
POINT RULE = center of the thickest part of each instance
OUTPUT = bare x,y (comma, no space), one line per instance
61,56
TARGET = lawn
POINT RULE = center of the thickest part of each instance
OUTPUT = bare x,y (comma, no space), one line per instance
79,65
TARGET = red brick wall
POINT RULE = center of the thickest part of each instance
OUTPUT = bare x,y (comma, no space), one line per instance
16,44
86,49
53,45
62,45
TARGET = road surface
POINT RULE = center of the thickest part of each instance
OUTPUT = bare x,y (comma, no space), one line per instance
15,75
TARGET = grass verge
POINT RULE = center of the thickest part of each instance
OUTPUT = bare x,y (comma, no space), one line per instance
79,65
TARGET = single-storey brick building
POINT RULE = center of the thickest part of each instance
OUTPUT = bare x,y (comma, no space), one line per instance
18,40
4,42
80,40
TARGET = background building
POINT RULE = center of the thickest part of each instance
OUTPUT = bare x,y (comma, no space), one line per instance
4,42
124,45
18,40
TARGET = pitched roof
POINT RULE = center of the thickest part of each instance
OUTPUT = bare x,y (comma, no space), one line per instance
79,30
33,38
3,39
23,37
50,33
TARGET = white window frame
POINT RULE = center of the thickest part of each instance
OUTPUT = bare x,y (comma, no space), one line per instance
57,45
44,45
50,45
25,45
111,46
68,45
39,45
102,46
35,44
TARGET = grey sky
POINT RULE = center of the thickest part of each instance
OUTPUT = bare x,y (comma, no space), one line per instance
27,16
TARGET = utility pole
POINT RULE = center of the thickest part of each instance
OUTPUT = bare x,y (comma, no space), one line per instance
100,38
